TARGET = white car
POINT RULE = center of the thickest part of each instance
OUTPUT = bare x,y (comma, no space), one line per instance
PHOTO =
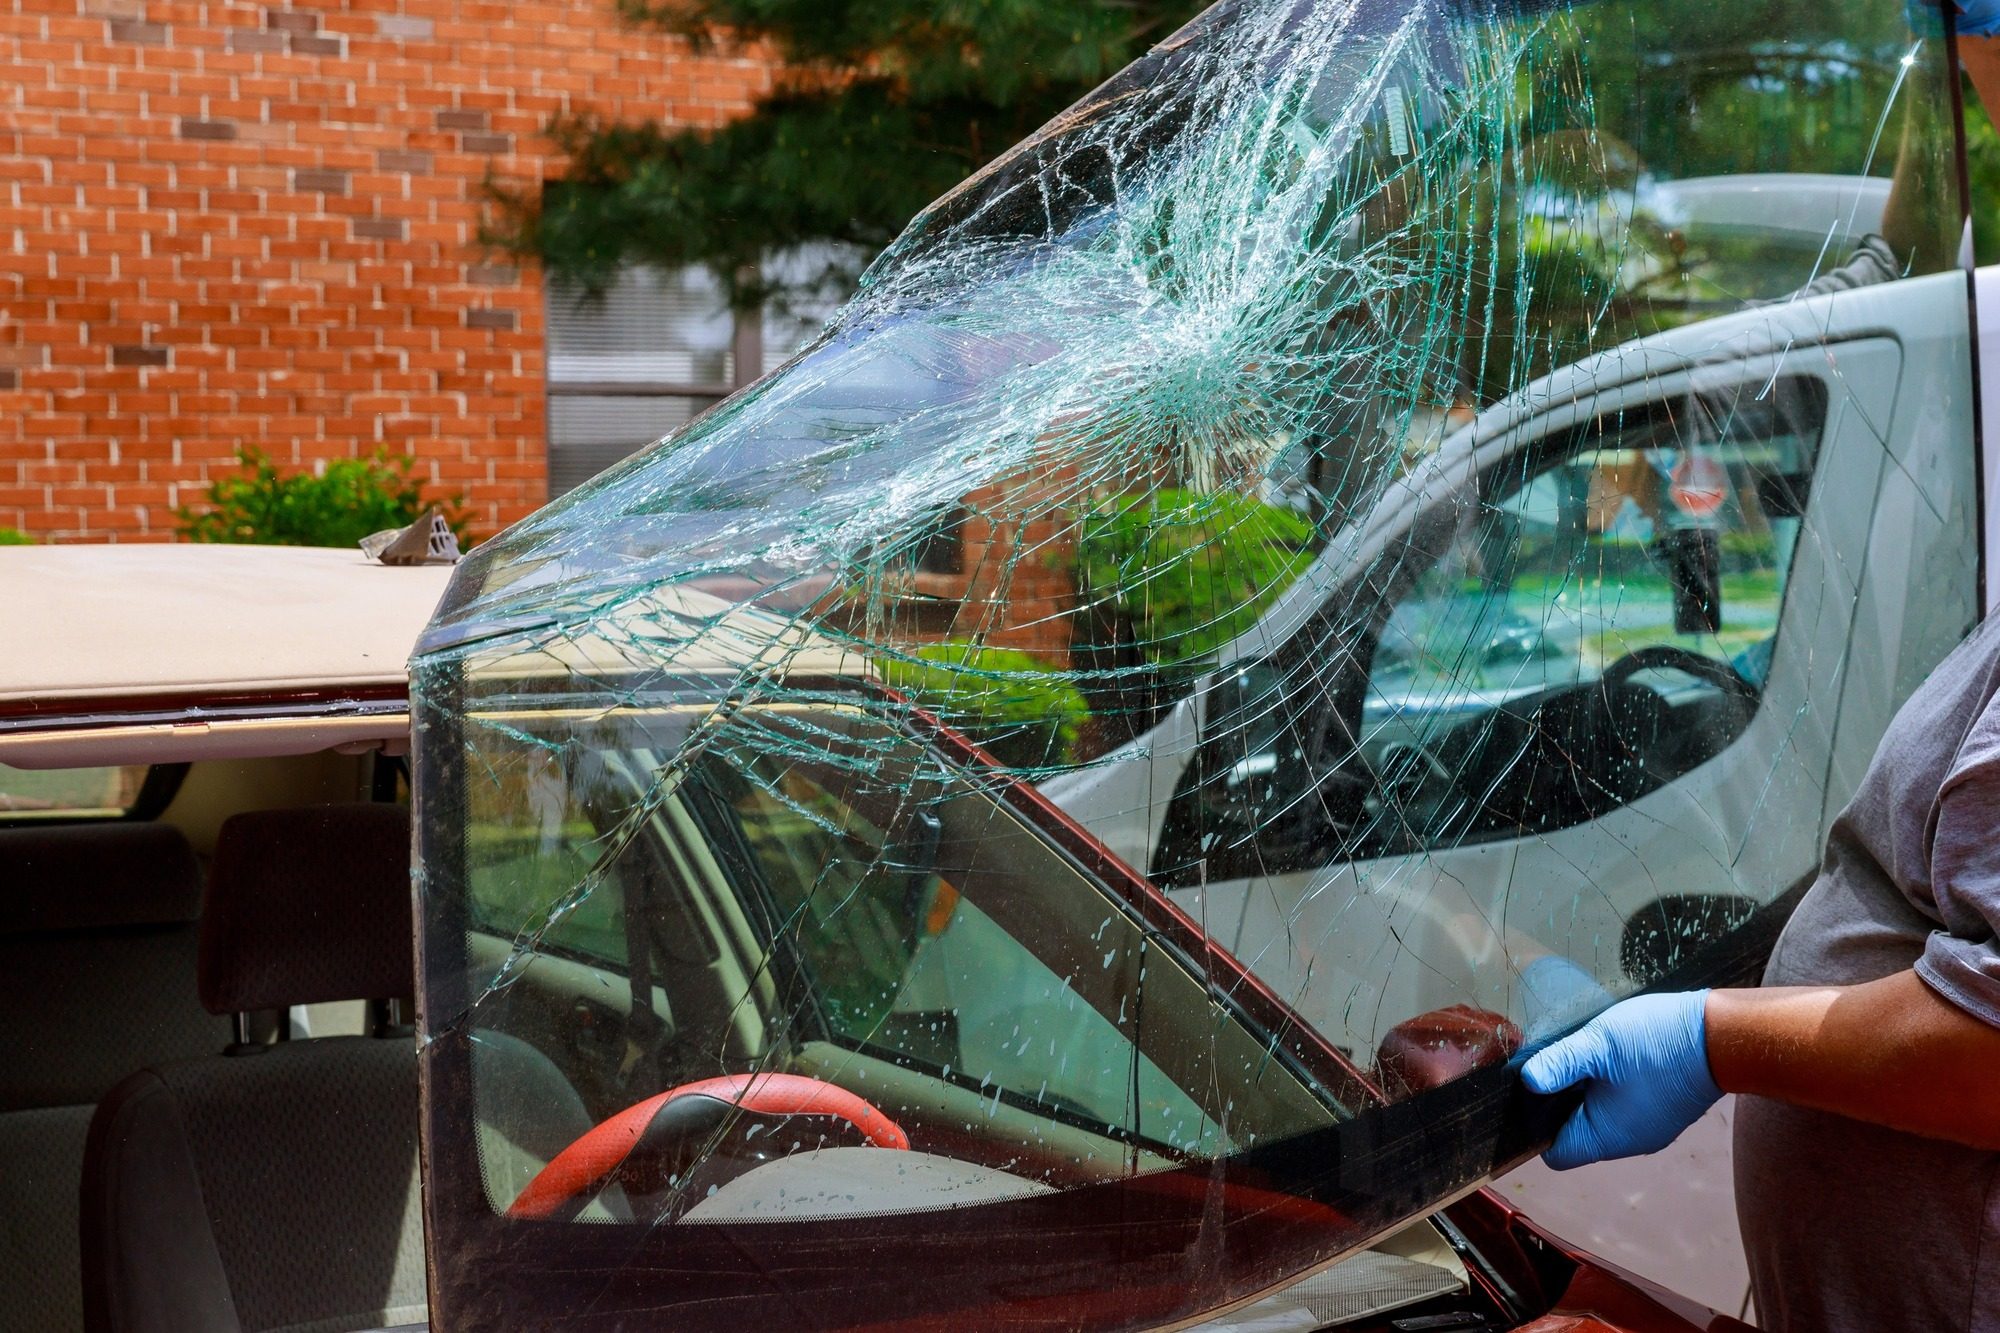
1495,755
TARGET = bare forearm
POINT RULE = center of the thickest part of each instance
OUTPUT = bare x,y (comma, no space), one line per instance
1890,1052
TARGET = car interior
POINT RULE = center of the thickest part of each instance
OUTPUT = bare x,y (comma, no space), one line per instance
211,1121
269,1185
770,900
1524,659
216,1109
99,939
851,928
214,1115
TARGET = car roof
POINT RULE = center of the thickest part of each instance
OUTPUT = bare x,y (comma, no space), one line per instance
132,621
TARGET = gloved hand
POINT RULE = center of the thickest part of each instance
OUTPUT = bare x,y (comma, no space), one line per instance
1643,1064
1978,18
1974,18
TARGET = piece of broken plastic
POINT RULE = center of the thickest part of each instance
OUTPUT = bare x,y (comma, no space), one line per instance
428,541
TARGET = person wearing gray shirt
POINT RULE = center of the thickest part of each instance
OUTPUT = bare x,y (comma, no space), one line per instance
1868,1138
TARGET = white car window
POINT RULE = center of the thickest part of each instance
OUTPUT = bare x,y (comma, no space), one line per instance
1594,630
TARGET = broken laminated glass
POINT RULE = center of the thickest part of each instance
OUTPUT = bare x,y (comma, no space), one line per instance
1388,526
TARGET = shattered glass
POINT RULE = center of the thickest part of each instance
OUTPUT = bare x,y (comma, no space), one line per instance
1380,531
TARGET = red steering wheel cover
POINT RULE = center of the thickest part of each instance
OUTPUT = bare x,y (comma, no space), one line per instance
582,1167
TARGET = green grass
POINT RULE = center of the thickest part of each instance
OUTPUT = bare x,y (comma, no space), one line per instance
80,790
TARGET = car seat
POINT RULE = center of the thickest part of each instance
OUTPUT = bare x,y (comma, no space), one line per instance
273,1185
97,947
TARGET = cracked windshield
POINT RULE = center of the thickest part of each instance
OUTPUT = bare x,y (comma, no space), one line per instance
1316,571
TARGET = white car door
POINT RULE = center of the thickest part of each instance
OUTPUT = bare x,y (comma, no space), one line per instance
1820,451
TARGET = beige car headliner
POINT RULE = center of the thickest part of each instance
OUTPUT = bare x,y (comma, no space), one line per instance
123,622
104,632
95,634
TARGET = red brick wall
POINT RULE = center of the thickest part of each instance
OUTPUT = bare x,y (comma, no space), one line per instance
1020,548
1015,587
237,223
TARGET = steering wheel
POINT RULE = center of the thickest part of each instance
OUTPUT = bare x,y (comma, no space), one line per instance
1671,657
650,1146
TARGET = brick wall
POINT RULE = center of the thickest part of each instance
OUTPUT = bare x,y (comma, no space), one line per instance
239,223
1015,587
1020,549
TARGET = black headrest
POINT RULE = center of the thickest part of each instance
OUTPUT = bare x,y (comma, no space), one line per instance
308,905
96,876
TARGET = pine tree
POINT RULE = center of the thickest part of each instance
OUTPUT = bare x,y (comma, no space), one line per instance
879,107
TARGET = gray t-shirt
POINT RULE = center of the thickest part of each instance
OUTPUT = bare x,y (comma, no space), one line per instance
1851,1228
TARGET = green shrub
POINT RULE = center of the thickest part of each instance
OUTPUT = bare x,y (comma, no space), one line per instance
1188,571
1021,710
1747,550
15,537
351,498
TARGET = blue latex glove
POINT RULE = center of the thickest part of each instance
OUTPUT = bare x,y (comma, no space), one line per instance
1978,18
1643,1064
1974,18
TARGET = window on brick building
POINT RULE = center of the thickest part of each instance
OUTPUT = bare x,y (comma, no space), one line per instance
651,352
